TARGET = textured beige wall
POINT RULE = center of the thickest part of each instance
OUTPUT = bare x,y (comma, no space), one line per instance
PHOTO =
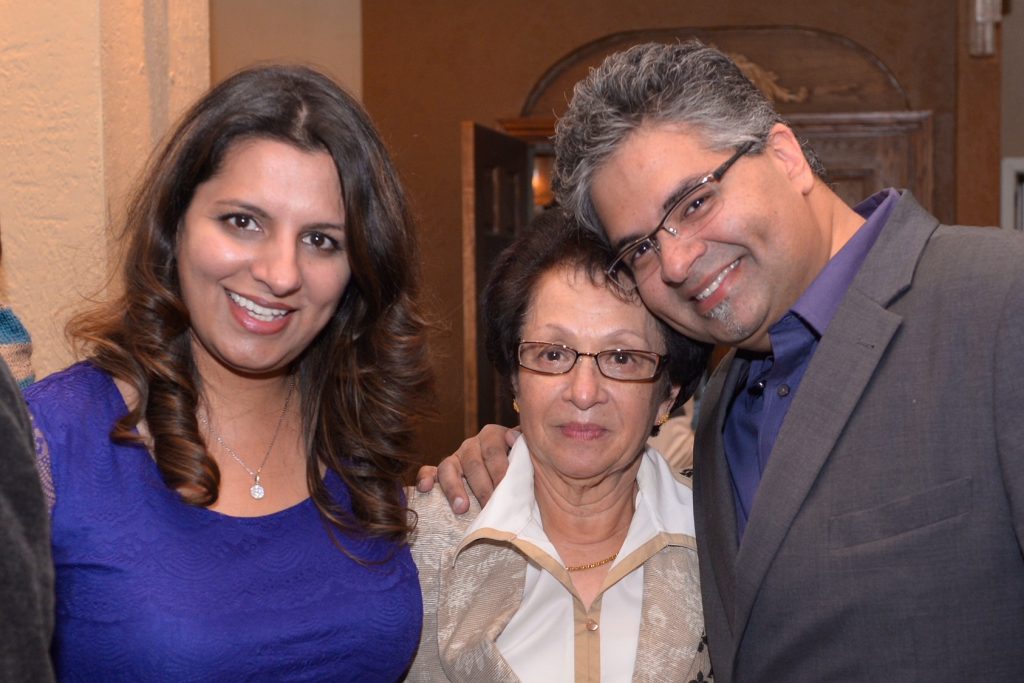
86,88
326,34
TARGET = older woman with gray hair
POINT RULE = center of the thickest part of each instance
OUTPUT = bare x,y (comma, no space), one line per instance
583,564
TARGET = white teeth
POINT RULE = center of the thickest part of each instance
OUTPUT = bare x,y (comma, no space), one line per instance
261,313
717,281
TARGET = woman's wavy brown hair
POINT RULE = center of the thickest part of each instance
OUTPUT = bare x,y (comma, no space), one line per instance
365,378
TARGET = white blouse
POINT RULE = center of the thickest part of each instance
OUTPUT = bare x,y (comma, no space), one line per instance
552,634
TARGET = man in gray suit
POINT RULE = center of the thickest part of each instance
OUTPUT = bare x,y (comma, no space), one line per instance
860,454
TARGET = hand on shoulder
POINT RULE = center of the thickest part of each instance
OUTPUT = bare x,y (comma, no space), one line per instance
481,461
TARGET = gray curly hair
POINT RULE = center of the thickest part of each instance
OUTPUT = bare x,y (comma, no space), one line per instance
683,83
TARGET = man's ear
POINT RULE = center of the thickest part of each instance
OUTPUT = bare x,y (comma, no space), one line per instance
784,149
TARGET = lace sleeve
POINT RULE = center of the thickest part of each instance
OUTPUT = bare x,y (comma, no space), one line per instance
44,465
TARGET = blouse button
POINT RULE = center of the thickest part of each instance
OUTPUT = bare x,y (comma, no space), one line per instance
591,625
784,390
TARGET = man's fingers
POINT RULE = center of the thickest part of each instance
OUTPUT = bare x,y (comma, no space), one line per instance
495,442
449,477
477,475
482,460
425,478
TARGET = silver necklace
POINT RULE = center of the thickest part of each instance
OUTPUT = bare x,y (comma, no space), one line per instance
256,490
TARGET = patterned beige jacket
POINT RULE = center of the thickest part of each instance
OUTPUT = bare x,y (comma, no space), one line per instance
467,603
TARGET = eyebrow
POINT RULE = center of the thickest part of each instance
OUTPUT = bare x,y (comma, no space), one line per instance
244,206
621,333
260,213
683,187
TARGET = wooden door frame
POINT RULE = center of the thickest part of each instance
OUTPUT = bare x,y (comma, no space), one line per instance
978,136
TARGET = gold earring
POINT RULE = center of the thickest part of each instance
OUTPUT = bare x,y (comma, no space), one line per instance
661,420
515,405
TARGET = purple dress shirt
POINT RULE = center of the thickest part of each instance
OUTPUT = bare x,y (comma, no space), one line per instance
757,410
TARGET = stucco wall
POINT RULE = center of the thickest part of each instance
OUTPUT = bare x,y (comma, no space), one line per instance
84,94
326,34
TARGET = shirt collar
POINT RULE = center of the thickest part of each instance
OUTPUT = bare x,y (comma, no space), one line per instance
512,509
663,505
818,304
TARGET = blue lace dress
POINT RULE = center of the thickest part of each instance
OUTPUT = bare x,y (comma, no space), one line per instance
151,589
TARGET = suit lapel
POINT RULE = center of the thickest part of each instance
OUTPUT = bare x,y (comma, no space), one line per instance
715,513
839,372
841,367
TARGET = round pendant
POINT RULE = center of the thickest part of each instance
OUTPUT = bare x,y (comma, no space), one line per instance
257,491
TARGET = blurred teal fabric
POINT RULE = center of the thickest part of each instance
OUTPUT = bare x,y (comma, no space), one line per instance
16,347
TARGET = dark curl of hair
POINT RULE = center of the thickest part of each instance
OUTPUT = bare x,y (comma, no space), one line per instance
553,240
363,380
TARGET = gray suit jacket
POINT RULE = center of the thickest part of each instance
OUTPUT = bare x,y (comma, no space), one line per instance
884,542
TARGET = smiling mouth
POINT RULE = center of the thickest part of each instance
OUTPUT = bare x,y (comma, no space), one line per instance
716,283
261,313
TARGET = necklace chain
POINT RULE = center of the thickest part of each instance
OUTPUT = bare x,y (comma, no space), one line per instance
581,567
256,490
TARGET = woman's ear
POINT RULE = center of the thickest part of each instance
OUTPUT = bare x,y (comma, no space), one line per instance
665,407
514,381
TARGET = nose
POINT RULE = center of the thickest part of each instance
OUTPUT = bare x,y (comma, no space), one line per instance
586,383
276,265
677,257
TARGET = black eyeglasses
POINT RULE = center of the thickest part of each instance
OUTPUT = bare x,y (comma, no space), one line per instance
687,216
624,365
